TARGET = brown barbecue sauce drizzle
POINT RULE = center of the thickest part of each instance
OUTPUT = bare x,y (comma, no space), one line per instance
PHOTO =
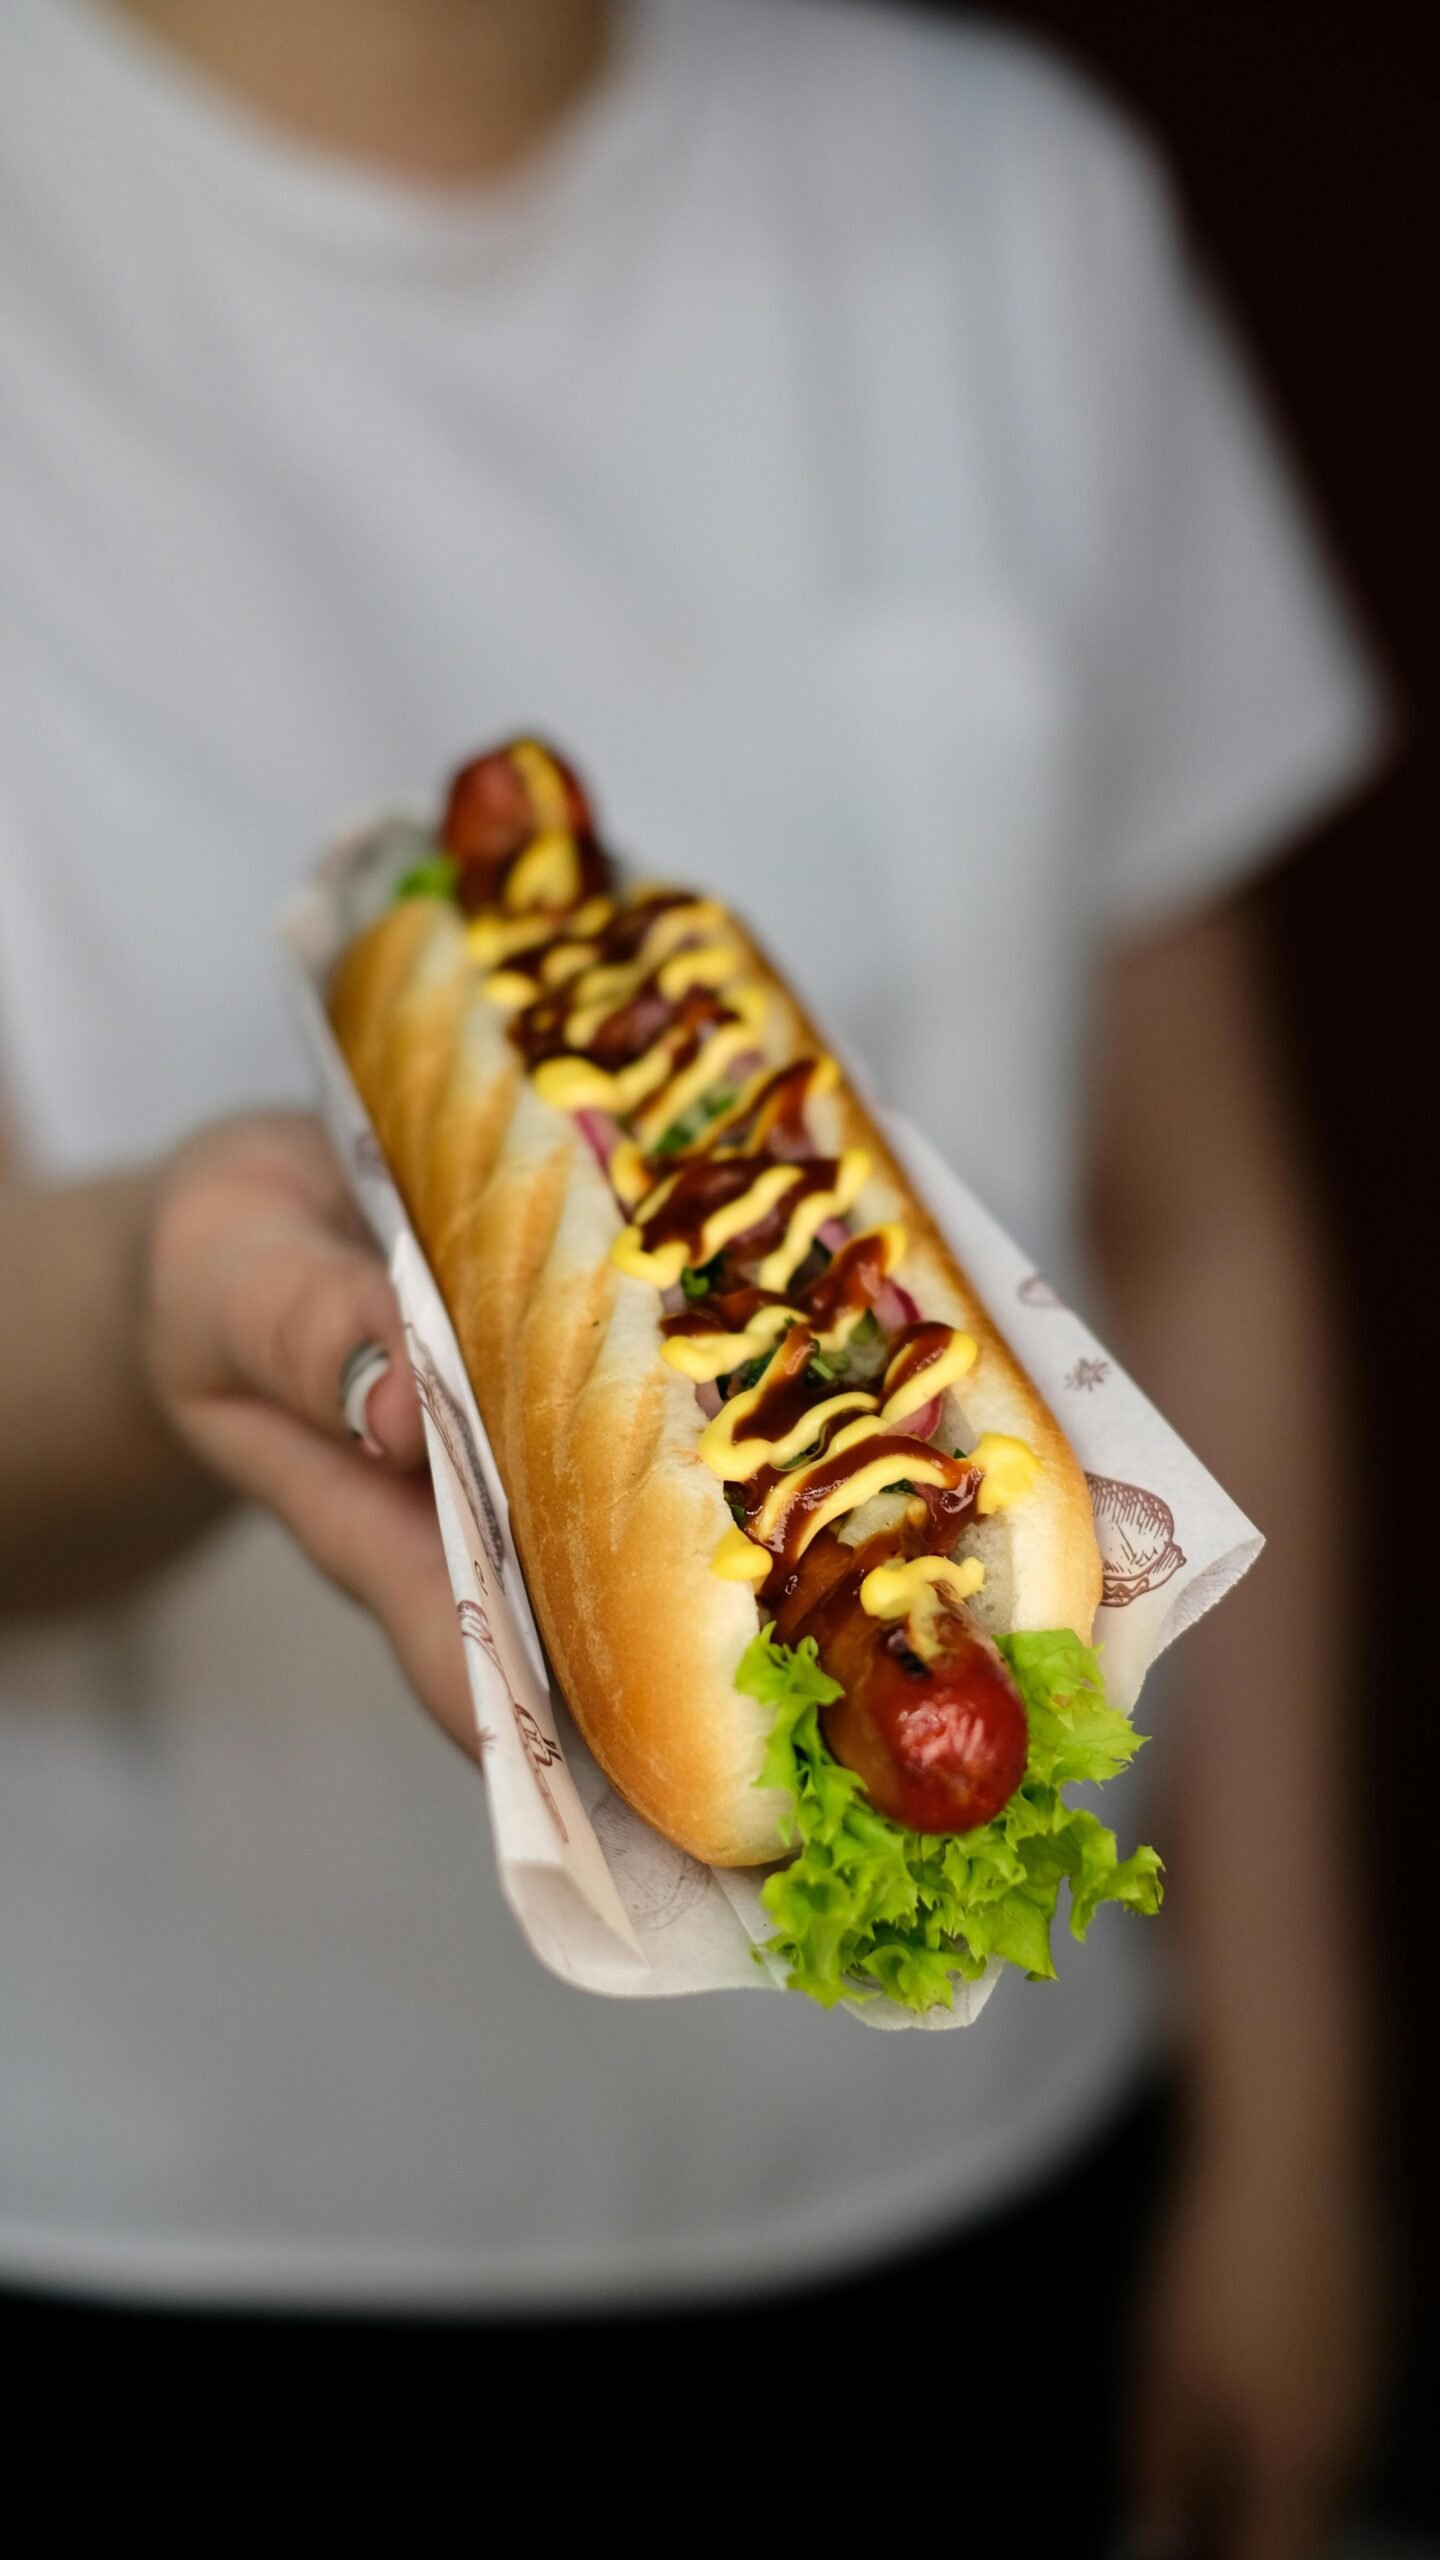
703,1187
538,1032
705,1172
912,1350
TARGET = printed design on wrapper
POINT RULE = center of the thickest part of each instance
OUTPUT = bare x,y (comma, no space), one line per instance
1036,1291
662,1882
1135,1531
475,1624
1087,1374
457,1440
538,1748
542,1754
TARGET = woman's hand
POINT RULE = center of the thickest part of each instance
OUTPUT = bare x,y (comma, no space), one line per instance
258,1290
1257,2354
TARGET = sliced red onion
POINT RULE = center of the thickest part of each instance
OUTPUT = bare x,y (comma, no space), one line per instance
894,1307
793,1146
601,1134
921,1425
673,1302
833,1234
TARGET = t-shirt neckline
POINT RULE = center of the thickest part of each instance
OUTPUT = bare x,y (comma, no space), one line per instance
147,100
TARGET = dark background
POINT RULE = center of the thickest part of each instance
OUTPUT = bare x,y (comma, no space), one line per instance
1304,142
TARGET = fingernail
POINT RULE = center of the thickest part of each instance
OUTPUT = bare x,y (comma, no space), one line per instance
368,1363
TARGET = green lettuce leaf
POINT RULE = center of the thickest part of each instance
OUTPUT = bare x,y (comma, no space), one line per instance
865,1907
435,877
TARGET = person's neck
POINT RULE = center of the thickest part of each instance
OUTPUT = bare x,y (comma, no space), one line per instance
449,91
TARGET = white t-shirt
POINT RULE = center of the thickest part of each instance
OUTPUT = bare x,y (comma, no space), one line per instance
825,442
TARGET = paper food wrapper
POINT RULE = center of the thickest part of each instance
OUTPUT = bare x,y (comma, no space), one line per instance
604,1901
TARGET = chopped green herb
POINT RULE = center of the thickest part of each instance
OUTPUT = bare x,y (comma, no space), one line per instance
902,1484
787,1466
699,1280
822,1371
737,1513
867,1328
435,877
684,1131
752,1372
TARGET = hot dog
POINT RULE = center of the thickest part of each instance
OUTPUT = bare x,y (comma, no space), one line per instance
813,1562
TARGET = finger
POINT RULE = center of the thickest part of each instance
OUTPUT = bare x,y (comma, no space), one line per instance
374,1534
309,1322
283,1154
259,1285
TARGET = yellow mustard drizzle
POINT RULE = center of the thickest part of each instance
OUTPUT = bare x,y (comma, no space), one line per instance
913,1394
577,1084
918,1591
544,783
778,1269
845,1497
509,988
707,1356
564,961
600,992
629,1173
1009,1469
735,1456
688,946
546,874
738,1559
727,1042
491,939
668,1260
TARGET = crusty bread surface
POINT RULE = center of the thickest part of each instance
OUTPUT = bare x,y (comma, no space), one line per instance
616,1516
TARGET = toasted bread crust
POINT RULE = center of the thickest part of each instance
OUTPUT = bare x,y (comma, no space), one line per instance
616,1516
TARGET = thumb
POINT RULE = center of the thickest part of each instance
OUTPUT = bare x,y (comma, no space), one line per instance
375,1536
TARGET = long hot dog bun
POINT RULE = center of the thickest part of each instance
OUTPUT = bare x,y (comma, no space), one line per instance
616,1517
